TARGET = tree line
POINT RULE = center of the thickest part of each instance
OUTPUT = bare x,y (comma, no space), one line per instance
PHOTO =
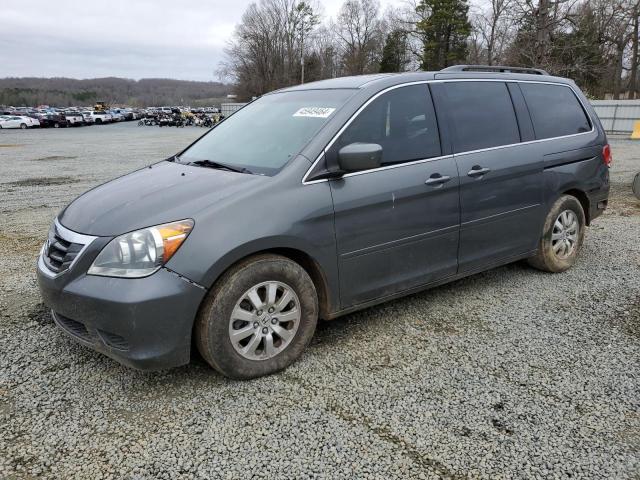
285,42
65,92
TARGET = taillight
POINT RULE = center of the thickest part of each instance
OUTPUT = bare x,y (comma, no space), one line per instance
606,155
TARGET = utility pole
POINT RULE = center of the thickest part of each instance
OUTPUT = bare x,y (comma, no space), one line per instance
543,35
304,12
633,80
302,50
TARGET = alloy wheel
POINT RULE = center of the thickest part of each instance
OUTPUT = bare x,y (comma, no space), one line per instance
264,320
564,237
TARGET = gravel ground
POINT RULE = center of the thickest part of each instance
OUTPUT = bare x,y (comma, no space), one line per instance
512,373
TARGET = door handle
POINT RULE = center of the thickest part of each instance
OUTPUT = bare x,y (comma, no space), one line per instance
437,179
478,171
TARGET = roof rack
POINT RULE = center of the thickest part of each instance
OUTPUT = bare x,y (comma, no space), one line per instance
494,68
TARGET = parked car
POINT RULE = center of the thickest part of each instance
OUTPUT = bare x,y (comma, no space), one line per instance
100,117
126,114
53,120
14,121
88,118
322,199
115,116
74,119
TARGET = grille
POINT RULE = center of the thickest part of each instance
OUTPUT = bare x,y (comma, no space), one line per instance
60,253
113,340
75,328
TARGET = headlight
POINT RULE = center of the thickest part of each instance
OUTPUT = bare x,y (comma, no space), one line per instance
141,253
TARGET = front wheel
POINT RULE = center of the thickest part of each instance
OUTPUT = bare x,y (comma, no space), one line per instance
258,318
562,236
23,126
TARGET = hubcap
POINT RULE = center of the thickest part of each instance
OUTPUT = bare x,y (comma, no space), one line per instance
564,237
264,320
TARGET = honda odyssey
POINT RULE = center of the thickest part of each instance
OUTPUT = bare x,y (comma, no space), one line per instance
321,199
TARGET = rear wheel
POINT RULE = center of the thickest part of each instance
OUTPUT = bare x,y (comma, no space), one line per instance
562,236
23,126
258,318
56,125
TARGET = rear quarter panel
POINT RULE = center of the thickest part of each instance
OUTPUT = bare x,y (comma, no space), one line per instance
575,162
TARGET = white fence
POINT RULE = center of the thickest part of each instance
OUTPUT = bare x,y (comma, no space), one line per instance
228,108
617,116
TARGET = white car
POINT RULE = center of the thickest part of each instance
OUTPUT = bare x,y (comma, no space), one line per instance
88,119
100,117
13,121
75,119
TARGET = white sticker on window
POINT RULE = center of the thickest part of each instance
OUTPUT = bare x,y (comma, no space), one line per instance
315,112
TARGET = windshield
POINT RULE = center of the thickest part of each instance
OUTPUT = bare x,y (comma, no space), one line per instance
263,136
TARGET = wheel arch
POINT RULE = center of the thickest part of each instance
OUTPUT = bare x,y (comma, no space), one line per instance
306,261
315,271
584,201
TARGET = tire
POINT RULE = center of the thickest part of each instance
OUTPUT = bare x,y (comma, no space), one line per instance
98,121
229,297
561,242
635,187
56,125
23,126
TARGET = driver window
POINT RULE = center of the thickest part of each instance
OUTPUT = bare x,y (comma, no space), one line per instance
402,121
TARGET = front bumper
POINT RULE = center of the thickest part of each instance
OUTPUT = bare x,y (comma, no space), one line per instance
144,323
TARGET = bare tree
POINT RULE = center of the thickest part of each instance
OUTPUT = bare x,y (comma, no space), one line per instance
267,46
360,35
282,42
617,32
324,47
493,25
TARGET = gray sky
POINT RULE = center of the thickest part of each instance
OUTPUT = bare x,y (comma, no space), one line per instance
133,39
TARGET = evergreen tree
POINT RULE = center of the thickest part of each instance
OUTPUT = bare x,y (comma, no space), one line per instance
444,29
394,53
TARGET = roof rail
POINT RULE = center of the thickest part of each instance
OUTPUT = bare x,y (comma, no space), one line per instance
494,68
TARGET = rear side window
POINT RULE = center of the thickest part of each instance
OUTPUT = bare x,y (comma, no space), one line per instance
482,114
402,121
555,110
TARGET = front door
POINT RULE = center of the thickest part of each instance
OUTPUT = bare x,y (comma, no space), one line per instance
396,226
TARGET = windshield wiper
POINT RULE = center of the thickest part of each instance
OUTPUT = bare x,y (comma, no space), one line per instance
212,164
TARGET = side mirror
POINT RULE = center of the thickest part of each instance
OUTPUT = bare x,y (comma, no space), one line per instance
359,156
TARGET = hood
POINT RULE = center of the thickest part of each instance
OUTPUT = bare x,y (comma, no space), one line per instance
162,193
